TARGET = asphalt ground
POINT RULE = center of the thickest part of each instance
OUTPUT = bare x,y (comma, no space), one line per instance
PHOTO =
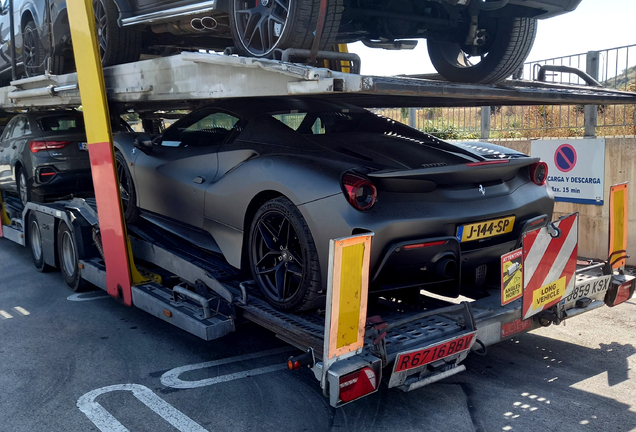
72,365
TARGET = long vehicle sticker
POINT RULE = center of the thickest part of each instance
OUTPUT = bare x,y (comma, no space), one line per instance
549,265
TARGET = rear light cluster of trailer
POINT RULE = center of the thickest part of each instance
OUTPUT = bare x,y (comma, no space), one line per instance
36,146
621,291
358,384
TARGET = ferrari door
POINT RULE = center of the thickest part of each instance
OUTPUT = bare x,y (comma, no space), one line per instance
171,179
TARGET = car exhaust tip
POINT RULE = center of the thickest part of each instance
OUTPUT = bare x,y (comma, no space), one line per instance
446,268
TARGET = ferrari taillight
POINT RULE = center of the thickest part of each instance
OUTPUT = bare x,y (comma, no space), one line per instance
359,190
36,146
539,173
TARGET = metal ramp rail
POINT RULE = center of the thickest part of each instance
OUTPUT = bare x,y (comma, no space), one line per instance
190,79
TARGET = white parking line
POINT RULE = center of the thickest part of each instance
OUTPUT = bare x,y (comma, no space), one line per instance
105,422
5,314
171,378
87,296
22,310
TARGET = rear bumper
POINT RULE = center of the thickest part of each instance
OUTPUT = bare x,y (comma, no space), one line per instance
63,183
394,220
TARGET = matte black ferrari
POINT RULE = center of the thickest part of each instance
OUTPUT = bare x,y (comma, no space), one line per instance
268,183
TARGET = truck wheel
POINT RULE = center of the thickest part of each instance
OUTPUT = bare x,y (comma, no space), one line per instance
69,255
261,26
35,243
117,45
33,53
127,189
508,43
283,256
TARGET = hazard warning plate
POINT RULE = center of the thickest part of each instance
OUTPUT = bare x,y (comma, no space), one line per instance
482,230
549,265
422,357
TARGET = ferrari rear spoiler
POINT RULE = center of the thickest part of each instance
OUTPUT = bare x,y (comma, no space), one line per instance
427,179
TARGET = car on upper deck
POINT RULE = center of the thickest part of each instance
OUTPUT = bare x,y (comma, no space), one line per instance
269,183
480,41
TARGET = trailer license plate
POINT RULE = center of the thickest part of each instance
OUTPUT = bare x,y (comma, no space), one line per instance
83,146
414,359
482,230
594,289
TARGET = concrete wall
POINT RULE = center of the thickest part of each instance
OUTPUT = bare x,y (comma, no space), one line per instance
620,161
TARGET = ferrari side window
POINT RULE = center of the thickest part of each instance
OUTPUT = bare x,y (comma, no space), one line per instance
210,130
292,120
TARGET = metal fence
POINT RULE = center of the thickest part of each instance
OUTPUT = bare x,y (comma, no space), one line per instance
613,68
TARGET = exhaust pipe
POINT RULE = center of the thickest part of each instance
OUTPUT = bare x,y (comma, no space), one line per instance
209,23
446,268
203,24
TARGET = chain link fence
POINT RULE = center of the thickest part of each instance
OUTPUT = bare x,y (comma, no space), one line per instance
614,68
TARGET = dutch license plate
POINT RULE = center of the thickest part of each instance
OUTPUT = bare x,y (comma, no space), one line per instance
414,359
594,289
83,146
482,230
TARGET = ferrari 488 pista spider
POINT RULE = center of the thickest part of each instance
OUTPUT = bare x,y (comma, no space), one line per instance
268,183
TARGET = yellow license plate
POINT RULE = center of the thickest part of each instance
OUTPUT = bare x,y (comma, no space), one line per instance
482,230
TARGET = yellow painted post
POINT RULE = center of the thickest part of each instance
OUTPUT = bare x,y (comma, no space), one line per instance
347,295
618,225
99,136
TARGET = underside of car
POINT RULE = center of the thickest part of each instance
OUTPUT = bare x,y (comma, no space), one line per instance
468,40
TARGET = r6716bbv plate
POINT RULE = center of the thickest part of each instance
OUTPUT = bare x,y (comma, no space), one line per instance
482,230
421,357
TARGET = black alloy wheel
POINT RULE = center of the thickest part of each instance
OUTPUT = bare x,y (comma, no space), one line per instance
259,27
33,54
117,45
283,257
127,190
508,42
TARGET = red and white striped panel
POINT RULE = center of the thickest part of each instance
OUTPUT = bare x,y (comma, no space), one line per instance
549,265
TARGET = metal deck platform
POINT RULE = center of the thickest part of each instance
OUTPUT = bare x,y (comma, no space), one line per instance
190,79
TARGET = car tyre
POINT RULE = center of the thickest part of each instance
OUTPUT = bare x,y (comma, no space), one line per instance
24,186
127,190
283,257
35,243
69,253
33,52
117,45
503,54
258,30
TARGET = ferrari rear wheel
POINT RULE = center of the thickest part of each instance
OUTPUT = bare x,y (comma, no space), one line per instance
283,256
